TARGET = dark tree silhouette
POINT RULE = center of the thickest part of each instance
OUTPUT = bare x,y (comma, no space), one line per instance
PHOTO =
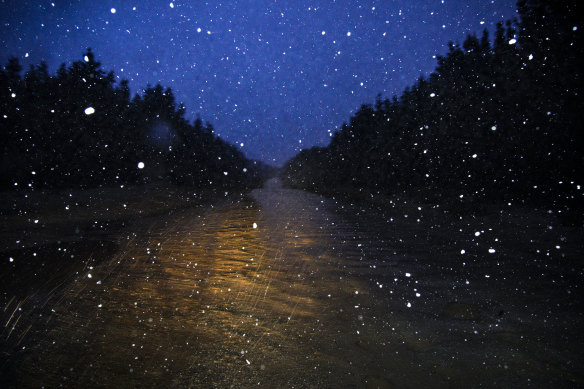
494,122
78,129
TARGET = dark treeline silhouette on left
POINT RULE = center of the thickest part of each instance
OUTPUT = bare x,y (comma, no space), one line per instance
498,120
79,129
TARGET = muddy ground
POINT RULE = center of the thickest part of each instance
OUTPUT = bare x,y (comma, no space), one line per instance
156,286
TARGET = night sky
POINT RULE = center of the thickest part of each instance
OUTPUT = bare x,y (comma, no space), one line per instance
273,77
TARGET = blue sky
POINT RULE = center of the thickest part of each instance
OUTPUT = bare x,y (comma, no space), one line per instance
275,76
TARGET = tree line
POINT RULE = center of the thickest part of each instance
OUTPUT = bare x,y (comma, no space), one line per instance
498,120
78,128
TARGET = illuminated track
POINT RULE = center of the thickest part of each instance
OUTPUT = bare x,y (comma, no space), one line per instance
278,290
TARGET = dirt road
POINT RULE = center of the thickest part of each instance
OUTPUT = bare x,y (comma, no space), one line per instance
289,289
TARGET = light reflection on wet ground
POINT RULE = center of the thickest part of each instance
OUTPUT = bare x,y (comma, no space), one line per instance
306,299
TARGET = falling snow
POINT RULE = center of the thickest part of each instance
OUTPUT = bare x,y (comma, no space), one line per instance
154,272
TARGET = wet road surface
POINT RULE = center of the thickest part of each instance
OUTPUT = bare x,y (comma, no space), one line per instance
289,289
